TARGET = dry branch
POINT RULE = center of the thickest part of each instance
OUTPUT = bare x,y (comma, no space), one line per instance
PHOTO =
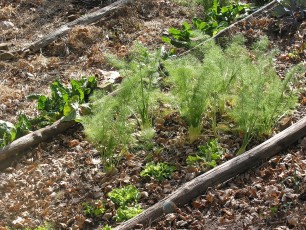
222,173
84,20
34,138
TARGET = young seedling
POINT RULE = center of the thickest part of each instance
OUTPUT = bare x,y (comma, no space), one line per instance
95,210
126,213
159,171
126,199
124,196
208,156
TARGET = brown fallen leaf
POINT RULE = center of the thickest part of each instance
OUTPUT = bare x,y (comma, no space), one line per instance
73,143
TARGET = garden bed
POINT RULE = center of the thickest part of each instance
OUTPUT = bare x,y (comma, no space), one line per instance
67,172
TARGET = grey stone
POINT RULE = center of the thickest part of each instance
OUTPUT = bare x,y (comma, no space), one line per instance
4,46
5,25
6,56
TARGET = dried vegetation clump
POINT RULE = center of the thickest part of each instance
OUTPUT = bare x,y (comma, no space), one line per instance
81,38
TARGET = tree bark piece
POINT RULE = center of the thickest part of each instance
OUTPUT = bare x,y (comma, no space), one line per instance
85,20
220,174
34,138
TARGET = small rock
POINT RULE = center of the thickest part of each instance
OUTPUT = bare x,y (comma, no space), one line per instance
4,46
107,216
72,17
169,207
5,25
190,176
108,188
285,123
9,170
144,194
73,143
6,56
182,223
170,217
18,223
292,220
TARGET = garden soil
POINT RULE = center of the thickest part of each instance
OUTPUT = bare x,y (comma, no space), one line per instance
50,182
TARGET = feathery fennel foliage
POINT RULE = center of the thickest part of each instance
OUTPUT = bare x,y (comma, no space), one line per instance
112,123
236,83
261,96
109,128
140,87
191,88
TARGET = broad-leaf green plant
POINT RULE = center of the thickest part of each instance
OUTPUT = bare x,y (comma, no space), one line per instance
64,101
158,171
126,213
208,156
94,210
217,17
126,199
7,133
125,196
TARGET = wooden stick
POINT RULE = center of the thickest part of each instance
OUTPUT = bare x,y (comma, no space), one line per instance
34,138
220,174
84,20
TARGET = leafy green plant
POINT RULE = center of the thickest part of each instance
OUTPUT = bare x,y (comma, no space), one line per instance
7,133
159,171
291,8
212,151
216,18
107,227
46,226
228,13
94,210
24,125
179,37
64,101
194,160
126,213
124,196
208,156
10,132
